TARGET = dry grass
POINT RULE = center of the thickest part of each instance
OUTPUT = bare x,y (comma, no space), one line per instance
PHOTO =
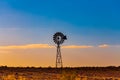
81,73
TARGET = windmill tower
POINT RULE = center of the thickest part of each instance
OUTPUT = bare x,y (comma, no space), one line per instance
59,38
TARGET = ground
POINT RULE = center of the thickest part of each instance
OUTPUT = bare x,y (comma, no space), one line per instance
77,73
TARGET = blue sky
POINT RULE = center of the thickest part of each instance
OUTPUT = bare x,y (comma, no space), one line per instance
90,21
85,22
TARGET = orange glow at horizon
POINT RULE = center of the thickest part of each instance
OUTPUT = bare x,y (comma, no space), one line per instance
44,55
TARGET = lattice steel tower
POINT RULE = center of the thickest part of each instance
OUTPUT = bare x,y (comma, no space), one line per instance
59,38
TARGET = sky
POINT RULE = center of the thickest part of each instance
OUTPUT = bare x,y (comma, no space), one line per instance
92,28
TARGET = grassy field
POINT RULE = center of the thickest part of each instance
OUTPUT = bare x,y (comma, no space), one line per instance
78,73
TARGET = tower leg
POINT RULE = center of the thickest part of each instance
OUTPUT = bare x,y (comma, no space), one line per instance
58,58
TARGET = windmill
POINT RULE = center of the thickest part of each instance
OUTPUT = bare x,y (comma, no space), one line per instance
59,38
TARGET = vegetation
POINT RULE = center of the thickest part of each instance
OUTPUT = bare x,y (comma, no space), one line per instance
68,73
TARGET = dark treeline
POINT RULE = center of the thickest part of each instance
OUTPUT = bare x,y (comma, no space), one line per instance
53,69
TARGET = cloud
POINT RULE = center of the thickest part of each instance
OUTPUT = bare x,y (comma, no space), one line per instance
37,46
77,46
104,46
28,46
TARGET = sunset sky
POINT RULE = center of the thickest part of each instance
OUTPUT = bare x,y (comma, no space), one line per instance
92,28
